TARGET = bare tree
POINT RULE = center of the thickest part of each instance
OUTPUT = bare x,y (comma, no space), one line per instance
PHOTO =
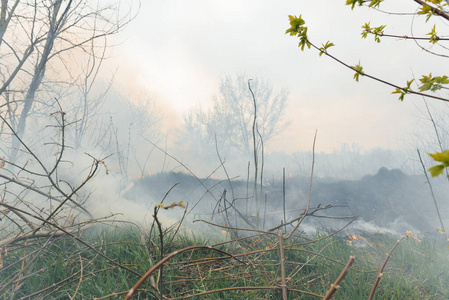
132,121
231,117
39,47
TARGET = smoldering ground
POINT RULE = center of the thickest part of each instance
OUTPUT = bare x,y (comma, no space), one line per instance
389,201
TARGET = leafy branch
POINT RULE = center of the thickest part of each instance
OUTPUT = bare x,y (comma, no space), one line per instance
376,31
298,29
431,83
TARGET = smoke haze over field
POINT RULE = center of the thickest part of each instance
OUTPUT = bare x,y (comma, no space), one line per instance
178,52
180,59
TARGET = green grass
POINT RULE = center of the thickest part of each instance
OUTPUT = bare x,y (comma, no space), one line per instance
65,267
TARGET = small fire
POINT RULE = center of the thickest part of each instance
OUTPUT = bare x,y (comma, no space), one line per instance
358,240
351,237
224,232
290,175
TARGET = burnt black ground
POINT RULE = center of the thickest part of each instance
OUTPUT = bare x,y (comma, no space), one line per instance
389,199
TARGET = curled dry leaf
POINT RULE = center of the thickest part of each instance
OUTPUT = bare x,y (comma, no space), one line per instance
174,204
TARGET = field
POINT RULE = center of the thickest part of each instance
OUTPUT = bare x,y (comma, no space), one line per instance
110,260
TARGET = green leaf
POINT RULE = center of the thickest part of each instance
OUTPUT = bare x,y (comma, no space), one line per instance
441,157
366,29
303,41
296,25
444,80
376,31
375,3
325,47
403,91
297,28
436,170
358,71
434,38
426,10
354,2
433,83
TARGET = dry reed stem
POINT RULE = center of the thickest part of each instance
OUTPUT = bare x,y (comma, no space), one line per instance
179,226
340,278
379,276
282,262
81,279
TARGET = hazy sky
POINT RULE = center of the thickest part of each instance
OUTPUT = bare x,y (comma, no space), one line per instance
178,50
